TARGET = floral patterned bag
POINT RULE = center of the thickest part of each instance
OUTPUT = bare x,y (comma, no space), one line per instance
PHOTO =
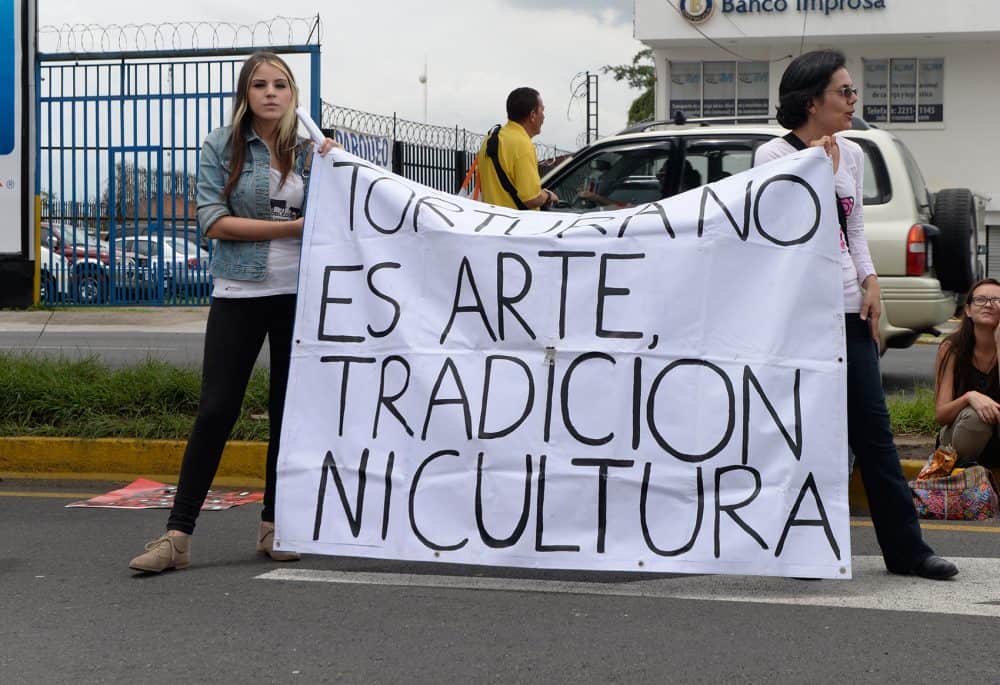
965,495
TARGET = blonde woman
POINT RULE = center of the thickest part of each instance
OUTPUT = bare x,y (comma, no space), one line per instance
252,178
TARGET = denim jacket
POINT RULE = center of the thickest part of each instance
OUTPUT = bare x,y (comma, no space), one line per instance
242,260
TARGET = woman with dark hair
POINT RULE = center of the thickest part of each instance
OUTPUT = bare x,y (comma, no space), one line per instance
252,179
817,101
967,385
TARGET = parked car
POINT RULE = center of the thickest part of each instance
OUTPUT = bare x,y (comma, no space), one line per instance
89,259
184,266
96,273
925,246
82,257
55,282
189,263
131,271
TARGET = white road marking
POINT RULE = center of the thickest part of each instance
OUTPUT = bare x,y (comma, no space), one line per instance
974,592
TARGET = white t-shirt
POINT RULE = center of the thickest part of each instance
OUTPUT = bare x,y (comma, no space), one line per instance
282,277
855,260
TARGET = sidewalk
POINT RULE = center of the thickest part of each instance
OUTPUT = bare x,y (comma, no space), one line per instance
148,319
180,319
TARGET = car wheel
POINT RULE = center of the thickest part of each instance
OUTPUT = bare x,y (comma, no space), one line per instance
91,287
47,290
955,258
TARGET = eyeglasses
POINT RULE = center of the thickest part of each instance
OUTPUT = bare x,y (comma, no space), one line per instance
983,300
845,91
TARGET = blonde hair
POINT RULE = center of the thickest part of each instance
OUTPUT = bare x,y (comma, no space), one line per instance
286,139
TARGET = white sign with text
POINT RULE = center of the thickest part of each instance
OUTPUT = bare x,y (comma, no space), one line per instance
656,388
371,148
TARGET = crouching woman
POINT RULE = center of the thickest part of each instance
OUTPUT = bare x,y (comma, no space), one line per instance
967,380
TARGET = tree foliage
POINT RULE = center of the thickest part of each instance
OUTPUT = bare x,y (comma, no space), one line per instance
140,184
640,74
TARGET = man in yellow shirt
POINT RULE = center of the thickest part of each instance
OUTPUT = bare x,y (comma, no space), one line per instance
510,147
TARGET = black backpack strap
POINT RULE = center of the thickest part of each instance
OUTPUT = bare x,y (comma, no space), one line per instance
794,141
798,144
493,152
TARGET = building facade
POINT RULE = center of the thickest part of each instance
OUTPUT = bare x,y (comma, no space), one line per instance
925,69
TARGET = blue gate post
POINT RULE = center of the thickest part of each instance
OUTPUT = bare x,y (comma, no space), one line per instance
315,98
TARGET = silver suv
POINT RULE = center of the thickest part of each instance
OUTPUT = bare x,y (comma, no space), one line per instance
925,246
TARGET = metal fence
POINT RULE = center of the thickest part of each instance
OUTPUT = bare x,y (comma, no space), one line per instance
119,136
437,156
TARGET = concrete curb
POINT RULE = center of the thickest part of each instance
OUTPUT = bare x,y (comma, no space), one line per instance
242,462
115,459
119,459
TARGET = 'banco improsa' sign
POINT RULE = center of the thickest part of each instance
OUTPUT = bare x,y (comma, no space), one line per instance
698,11
655,388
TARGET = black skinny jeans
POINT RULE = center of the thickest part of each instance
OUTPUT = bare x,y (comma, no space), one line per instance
871,440
233,338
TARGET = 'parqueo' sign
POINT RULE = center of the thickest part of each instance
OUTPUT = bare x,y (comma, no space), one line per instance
660,387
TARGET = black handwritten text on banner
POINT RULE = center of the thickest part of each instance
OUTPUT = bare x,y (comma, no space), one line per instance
659,387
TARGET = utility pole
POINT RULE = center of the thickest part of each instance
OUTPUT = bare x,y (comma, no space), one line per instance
423,80
592,102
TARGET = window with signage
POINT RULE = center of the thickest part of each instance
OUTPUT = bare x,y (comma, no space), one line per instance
719,89
903,90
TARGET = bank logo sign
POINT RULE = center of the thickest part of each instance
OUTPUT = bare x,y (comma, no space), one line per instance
697,11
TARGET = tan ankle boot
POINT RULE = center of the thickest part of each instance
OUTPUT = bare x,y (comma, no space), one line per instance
165,552
265,544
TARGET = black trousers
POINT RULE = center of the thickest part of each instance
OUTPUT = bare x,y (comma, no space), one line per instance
870,437
233,339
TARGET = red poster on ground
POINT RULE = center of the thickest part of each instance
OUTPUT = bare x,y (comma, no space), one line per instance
149,494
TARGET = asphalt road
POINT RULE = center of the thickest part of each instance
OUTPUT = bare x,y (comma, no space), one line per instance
116,348
902,370
74,613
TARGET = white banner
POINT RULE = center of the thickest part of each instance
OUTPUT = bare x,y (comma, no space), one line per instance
657,388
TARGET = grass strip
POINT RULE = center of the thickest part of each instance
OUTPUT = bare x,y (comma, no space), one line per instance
88,399
913,412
